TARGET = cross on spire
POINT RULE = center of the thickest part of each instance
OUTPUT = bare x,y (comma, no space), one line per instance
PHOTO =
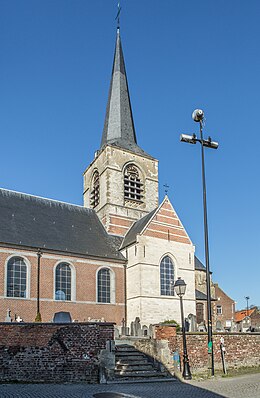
118,14
166,187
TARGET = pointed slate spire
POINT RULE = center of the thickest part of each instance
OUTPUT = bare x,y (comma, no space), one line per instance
119,127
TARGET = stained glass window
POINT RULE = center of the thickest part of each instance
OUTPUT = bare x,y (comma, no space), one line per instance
167,276
63,282
104,286
16,277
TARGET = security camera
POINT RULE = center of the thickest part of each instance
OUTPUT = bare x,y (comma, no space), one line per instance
198,115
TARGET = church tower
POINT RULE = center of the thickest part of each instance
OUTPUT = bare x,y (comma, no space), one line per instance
121,183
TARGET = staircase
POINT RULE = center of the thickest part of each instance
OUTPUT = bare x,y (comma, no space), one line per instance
133,365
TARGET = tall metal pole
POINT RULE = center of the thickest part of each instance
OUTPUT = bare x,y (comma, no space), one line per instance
206,239
186,366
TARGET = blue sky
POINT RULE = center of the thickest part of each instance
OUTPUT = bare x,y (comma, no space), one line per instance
55,66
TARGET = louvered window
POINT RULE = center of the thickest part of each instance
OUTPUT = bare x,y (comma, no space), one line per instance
133,187
94,195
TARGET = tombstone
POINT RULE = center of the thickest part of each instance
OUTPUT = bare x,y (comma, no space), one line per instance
62,317
116,333
145,331
8,316
137,327
151,330
186,325
193,322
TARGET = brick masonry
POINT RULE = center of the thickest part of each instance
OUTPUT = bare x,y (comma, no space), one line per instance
242,349
83,304
52,352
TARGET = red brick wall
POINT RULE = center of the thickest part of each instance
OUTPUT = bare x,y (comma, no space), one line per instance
52,352
84,305
242,349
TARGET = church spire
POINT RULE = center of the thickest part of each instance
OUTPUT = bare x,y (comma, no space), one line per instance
119,127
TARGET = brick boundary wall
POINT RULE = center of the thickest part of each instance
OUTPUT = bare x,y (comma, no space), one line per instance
38,352
242,349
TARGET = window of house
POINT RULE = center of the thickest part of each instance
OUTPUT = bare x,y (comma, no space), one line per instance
133,187
94,194
63,282
167,276
219,309
104,286
200,312
16,277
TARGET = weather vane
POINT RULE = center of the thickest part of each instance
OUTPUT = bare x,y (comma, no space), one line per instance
119,8
166,186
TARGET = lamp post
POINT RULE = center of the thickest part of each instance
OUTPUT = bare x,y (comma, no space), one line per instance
198,116
247,309
180,289
38,315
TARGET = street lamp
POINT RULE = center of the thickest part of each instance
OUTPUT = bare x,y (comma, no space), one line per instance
198,116
247,310
180,288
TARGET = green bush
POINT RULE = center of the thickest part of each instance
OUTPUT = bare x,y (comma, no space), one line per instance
172,322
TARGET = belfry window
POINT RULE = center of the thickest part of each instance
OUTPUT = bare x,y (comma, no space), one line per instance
133,187
16,277
94,194
167,276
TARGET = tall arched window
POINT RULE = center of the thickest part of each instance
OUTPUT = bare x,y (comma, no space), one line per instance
167,276
200,312
133,187
63,282
16,277
104,286
94,194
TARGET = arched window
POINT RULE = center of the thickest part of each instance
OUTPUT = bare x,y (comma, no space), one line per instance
133,187
94,194
104,286
200,312
167,276
63,282
16,277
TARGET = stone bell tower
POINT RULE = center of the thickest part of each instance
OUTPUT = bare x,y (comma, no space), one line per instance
121,183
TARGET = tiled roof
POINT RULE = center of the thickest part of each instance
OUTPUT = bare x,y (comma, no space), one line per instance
31,221
240,315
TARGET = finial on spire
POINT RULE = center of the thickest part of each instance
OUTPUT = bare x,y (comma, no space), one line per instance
166,187
118,14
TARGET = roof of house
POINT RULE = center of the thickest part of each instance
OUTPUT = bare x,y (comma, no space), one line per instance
136,229
240,315
198,265
200,296
31,221
119,127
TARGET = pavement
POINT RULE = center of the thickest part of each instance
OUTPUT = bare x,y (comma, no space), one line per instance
246,386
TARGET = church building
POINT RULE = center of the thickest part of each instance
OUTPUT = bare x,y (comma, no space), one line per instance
117,256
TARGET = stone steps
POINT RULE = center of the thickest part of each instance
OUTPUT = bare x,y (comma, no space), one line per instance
133,365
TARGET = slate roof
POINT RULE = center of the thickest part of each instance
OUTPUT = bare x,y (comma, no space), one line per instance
198,265
202,296
119,127
31,221
136,229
